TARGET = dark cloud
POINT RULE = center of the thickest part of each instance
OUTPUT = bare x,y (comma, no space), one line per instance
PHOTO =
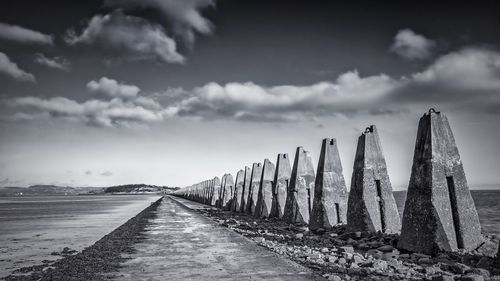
184,16
106,174
128,37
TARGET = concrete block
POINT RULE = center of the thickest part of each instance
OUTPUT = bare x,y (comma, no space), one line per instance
330,192
228,192
371,205
238,191
439,213
282,175
301,189
253,192
246,188
215,191
265,198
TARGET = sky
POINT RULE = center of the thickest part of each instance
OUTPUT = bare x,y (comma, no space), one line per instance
170,92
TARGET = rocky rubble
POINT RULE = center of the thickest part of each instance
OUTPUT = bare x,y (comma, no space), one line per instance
340,255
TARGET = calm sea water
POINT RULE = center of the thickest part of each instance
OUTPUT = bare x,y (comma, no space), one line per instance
487,205
31,228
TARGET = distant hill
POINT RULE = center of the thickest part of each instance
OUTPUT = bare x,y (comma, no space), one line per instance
68,190
139,188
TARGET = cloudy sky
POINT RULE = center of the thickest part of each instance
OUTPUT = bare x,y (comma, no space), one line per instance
171,92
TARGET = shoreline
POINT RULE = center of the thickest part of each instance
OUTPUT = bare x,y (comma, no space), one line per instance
97,261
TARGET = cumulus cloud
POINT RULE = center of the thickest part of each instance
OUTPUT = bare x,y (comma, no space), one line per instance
93,112
11,69
184,16
23,35
54,62
248,101
467,69
412,46
113,88
131,37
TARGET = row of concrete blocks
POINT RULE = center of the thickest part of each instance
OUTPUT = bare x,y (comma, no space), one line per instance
439,213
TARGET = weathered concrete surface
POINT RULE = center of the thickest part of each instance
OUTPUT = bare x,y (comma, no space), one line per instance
246,188
330,192
371,204
439,213
228,191
265,199
182,245
301,189
282,175
238,191
254,187
215,191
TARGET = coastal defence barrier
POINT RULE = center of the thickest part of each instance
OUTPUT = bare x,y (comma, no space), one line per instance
439,213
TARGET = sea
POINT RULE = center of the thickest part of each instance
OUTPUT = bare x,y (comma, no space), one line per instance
34,229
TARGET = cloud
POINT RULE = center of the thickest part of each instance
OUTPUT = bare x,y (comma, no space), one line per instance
106,174
252,102
24,35
471,68
113,88
466,79
88,172
184,16
412,46
11,69
93,112
132,38
55,62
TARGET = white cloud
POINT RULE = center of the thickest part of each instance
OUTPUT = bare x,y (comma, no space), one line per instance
113,88
184,16
55,62
24,35
130,37
412,46
11,69
467,69
93,112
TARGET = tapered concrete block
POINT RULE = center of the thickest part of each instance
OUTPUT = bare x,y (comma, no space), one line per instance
253,192
301,189
282,175
265,198
371,204
238,191
215,191
439,213
246,188
330,193
222,192
228,192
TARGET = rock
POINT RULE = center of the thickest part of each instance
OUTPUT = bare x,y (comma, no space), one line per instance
324,250
374,253
385,248
299,235
380,265
346,249
470,278
356,258
458,268
416,256
334,278
442,278
438,194
488,248
479,271
484,262
341,261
